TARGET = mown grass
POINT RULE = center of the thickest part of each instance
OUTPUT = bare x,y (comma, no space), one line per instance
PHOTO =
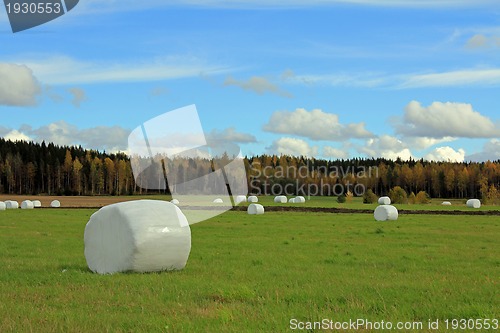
253,274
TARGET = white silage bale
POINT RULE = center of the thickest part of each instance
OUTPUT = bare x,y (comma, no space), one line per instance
218,201
37,203
446,203
55,204
139,236
384,201
240,199
300,199
253,199
280,199
473,203
291,200
2,205
385,212
11,204
174,201
255,209
27,204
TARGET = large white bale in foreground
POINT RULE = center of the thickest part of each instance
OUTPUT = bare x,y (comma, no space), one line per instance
255,209
384,201
386,212
2,205
280,199
27,204
37,203
240,199
446,203
253,199
473,203
55,204
139,236
11,204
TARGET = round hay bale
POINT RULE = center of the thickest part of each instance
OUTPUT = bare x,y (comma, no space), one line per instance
300,199
174,201
385,212
280,199
37,203
473,203
11,204
138,236
291,200
55,204
27,204
2,205
384,201
240,199
446,203
218,201
253,199
255,209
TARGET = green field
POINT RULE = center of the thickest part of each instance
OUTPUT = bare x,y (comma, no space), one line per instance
254,274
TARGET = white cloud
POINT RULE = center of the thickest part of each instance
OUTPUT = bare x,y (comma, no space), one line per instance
446,154
480,41
315,124
257,84
421,143
18,86
366,80
491,152
15,135
335,153
466,77
59,70
79,96
386,146
293,147
230,135
440,120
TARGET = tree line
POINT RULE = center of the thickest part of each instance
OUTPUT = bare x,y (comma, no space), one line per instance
40,168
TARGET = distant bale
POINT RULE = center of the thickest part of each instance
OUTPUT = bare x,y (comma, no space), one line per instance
2,205
291,200
218,201
240,199
473,203
27,204
11,204
446,203
384,201
255,209
385,212
253,199
280,199
37,203
138,236
174,201
55,204
300,199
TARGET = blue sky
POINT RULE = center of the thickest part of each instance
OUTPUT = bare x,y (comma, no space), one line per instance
330,79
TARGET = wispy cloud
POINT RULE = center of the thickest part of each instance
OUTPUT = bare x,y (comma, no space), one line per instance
58,70
466,77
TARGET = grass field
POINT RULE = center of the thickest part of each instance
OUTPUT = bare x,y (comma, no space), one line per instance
254,274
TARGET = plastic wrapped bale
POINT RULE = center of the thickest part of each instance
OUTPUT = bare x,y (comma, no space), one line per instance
240,199
386,212
37,203
300,199
291,200
11,204
27,204
253,199
446,203
384,201
473,203
138,236
174,201
255,209
55,204
218,201
280,199
2,205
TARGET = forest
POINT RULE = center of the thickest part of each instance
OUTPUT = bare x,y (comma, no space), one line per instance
39,168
